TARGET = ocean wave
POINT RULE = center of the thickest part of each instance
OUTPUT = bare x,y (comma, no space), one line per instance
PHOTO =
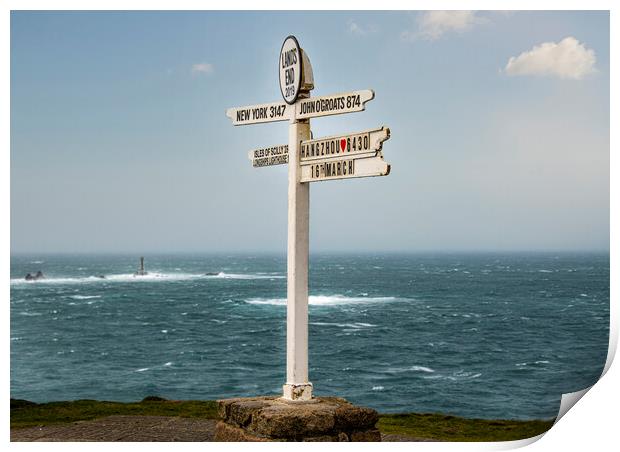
144,369
323,300
438,344
129,277
20,281
455,376
154,276
410,369
535,363
356,325
224,275
150,277
84,297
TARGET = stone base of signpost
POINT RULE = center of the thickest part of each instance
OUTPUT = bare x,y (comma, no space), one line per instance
276,419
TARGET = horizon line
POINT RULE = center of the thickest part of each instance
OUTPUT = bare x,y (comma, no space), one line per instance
283,252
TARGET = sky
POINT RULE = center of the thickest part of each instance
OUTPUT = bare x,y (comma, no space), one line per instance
120,143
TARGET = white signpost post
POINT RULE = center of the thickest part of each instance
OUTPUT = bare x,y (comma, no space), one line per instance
336,157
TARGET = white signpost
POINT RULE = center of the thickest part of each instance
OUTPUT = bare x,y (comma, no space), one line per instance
336,157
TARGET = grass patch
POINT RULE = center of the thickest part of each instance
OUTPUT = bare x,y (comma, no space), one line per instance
451,428
28,414
429,426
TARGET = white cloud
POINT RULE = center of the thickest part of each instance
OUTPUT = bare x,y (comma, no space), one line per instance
433,25
568,59
355,29
202,68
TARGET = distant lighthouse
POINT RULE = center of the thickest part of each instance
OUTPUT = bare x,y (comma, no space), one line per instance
141,271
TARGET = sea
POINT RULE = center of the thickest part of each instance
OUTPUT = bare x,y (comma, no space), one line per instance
486,335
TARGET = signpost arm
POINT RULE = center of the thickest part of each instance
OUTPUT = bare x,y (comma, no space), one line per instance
297,386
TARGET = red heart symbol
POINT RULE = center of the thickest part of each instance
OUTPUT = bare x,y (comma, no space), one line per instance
343,144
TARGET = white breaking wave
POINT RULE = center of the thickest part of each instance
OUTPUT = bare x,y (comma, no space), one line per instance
323,300
456,376
356,325
223,275
84,297
150,277
144,369
421,369
410,369
532,363
19,281
273,301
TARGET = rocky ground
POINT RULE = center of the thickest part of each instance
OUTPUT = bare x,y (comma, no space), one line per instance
135,428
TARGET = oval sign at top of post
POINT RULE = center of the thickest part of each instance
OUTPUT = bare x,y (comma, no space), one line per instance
290,68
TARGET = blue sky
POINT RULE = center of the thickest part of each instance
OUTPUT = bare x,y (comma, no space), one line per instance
119,139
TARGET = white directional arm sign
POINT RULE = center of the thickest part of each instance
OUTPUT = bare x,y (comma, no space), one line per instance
274,155
367,143
335,104
256,114
344,168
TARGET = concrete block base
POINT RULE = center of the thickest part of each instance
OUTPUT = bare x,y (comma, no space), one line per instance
277,419
297,392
